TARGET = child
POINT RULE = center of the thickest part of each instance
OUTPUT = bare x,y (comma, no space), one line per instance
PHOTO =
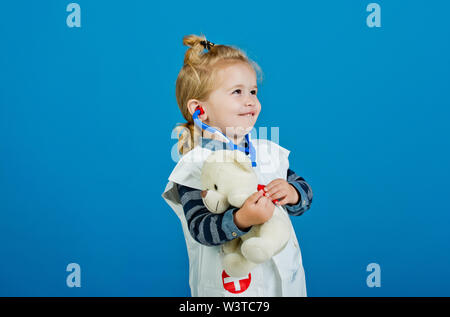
219,88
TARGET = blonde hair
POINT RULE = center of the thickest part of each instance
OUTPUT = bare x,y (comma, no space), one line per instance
198,78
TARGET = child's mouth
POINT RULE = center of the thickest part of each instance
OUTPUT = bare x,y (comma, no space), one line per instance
248,114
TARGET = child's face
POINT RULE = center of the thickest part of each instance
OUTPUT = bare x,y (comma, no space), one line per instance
234,109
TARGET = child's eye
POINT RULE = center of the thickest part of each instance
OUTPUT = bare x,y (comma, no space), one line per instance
253,91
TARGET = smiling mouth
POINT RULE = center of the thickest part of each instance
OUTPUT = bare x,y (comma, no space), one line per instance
248,114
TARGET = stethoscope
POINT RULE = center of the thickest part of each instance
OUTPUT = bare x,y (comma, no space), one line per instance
250,150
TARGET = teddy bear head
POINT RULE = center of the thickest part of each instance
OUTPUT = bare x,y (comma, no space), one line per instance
228,178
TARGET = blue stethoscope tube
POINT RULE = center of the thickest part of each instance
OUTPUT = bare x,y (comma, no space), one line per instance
230,144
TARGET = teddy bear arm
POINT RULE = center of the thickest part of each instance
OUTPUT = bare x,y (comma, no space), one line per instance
276,232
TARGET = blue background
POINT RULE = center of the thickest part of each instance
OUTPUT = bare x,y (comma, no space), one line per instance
86,116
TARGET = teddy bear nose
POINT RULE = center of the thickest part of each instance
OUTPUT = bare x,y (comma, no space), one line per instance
204,192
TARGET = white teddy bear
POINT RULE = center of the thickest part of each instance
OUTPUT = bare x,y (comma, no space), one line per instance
229,179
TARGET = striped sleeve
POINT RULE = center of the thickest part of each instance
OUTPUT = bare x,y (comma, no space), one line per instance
304,191
205,227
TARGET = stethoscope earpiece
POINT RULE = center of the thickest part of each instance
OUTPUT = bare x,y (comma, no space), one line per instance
200,109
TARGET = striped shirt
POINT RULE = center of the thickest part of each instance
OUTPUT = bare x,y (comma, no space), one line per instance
215,229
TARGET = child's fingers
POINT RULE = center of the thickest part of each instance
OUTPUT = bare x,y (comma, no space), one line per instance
278,195
262,201
282,201
255,196
274,189
273,183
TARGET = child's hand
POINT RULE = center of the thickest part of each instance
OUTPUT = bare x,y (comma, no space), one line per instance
280,189
256,210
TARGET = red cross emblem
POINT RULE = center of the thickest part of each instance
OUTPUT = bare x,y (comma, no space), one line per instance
236,285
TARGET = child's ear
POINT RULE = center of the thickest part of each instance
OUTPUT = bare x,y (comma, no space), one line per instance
193,104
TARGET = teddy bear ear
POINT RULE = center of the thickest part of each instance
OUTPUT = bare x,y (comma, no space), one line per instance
242,161
236,157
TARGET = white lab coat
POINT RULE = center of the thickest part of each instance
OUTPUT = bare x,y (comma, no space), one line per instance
283,275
